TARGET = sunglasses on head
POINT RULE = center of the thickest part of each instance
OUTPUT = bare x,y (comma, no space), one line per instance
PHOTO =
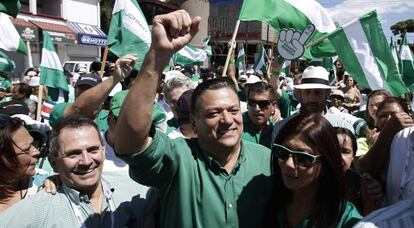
300,158
262,104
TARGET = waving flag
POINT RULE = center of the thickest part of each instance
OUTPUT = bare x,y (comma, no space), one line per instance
295,14
10,39
189,55
129,32
364,51
6,64
10,7
260,63
52,72
407,66
241,60
207,47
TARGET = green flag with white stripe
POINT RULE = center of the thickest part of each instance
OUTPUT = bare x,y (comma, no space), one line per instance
10,39
394,51
293,14
189,55
407,66
51,72
363,49
260,63
10,7
129,32
241,60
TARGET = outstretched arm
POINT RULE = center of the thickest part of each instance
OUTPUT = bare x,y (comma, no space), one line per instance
89,102
170,33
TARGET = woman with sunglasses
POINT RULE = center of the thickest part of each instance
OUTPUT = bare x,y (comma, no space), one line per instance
17,163
309,183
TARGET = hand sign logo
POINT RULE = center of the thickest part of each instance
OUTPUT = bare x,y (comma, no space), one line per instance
291,43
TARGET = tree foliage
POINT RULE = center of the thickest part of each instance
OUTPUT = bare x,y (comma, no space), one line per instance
106,14
399,27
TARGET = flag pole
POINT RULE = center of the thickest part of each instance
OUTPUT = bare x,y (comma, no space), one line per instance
271,55
39,103
233,39
105,56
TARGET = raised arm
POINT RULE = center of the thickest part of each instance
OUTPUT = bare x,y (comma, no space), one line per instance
89,102
170,32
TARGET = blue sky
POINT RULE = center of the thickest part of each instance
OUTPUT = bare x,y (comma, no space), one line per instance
389,11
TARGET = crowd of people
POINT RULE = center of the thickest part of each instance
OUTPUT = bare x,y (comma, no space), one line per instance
183,149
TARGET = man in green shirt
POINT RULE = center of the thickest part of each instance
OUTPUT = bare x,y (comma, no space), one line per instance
215,180
257,123
85,199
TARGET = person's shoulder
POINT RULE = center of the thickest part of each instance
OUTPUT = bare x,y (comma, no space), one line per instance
57,112
254,148
398,212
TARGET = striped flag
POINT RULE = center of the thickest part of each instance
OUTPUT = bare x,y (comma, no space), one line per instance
260,63
46,109
394,52
189,55
363,49
52,72
241,60
407,66
10,7
10,39
293,14
6,64
207,47
129,32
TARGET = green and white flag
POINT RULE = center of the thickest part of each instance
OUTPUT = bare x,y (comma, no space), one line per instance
407,66
10,39
51,72
294,14
6,64
129,32
394,52
241,60
207,47
260,63
363,49
10,7
189,55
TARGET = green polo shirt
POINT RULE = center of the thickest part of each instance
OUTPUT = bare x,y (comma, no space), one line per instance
349,218
252,134
195,191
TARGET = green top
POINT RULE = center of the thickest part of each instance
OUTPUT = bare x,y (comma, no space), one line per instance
47,210
101,120
195,191
286,104
5,83
349,218
252,134
172,124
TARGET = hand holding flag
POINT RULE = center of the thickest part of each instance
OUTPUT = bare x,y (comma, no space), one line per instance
124,66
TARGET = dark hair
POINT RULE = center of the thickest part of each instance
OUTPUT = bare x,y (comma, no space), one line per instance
387,101
331,195
184,107
25,89
378,92
347,132
72,121
213,84
261,87
8,159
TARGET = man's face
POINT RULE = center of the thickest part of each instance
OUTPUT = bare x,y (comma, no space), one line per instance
173,97
218,121
80,158
16,95
385,114
313,100
257,112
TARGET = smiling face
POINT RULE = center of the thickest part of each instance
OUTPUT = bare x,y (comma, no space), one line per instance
26,154
259,116
218,121
80,158
296,177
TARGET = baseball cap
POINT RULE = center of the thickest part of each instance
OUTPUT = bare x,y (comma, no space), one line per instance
14,107
91,79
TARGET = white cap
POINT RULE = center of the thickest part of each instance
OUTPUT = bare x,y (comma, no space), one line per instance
253,79
34,81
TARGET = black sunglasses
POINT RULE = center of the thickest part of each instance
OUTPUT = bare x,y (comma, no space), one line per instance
300,158
262,104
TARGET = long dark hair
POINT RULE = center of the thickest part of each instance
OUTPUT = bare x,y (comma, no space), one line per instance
8,159
330,199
